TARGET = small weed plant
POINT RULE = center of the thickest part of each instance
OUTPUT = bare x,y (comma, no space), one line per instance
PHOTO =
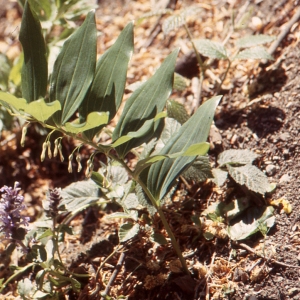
82,96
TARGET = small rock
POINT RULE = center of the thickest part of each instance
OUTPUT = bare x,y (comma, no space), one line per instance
285,178
284,136
293,291
270,170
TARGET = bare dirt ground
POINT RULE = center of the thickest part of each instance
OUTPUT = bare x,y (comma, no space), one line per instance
260,111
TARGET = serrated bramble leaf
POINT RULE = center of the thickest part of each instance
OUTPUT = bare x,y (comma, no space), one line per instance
211,49
180,82
94,119
199,171
257,52
154,13
35,69
236,157
127,231
144,104
177,20
177,111
74,69
254,40
162,175
220,176
79,194
250,176
107,88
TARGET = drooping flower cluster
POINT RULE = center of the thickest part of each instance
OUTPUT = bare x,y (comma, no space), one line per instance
53,199
11,206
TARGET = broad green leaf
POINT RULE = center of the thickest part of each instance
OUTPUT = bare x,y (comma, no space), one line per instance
127,231
107,89
251,222
34,71
144,104
171,126
74,69
94,119
17,103
257,52
199,171
146,127
4,71
236,157
42,8
159,238
38,109
177,111
254,40
250,176
211,49
41,110
162,175
16,70
193,150
220,176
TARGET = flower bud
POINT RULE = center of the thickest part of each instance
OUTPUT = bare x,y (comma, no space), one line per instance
55,148
49,149
43,155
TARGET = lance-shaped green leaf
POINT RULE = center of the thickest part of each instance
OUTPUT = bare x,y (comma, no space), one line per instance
38,109
93,120
147,126
145,103
107,89
194,150
35,70
74,69
162,175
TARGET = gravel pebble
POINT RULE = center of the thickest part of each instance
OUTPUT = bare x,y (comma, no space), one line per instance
270,170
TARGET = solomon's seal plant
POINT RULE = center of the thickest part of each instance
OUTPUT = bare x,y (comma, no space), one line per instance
85,95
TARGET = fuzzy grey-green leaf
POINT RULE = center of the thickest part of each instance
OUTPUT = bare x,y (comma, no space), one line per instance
236,156
211,49
254,40
257,52
250,176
